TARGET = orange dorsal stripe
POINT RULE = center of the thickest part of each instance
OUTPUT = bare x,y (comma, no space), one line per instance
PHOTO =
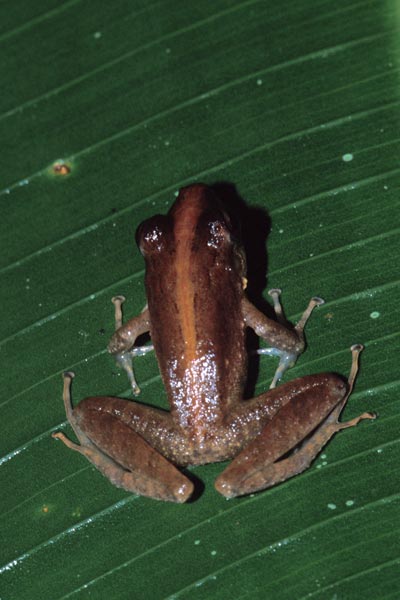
184,230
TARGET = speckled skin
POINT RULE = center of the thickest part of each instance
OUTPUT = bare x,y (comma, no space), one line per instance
197,316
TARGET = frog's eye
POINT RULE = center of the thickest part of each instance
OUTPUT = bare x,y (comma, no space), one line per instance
218,233
151,234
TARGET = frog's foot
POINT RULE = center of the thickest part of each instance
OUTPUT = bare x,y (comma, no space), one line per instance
85,448
120,453
287,359
118,302
275,294
124,360
332,423
121,344
315,301
299,431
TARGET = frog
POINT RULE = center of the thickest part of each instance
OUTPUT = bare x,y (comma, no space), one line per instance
197,315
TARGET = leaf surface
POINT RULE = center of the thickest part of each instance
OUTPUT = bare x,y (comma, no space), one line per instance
297,106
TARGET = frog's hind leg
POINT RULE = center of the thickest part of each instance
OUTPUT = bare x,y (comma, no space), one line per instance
312,416
125,458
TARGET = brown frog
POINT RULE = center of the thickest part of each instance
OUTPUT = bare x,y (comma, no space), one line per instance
197,315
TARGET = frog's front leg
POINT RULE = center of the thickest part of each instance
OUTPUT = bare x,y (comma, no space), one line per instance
285,342
122,342
300,429
104,427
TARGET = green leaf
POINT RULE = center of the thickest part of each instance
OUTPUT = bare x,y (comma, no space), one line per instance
297,105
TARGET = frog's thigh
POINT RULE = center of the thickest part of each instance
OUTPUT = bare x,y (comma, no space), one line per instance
137,466
258,466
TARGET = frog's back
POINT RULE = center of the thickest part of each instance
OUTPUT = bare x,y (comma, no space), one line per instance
194,284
